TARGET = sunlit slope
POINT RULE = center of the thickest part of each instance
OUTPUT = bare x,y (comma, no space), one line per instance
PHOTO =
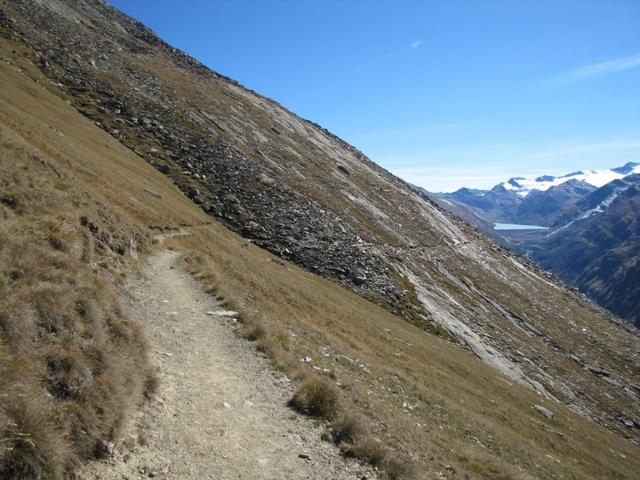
300,192
423,396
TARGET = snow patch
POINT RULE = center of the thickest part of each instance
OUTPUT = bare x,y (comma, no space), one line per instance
597,178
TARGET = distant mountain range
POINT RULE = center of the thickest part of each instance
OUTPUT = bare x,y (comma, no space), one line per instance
593,236
596,178
539,201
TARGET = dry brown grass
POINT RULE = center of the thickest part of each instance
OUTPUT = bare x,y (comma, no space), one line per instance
73,367
73,220
349,428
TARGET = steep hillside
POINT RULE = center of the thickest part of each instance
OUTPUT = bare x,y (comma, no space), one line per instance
74,216
90,208
295,189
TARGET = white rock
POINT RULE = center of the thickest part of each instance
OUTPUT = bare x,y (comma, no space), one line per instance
223,313
544,411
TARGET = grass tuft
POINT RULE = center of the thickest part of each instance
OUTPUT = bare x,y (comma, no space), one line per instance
372,451
317,397
349,428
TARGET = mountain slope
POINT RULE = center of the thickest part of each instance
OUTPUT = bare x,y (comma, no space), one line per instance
543,207
465,212
295,189
429,402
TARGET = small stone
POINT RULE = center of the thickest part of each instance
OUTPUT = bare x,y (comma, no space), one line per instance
266,180
360,280
544,411
306,456
628,422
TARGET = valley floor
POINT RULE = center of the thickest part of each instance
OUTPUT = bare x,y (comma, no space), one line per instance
221,409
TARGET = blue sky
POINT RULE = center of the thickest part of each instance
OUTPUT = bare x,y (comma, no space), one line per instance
445,93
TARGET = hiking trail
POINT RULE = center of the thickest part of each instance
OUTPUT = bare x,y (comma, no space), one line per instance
220,412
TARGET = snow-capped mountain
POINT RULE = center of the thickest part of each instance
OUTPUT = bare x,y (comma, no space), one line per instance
597,178
596,202
539,201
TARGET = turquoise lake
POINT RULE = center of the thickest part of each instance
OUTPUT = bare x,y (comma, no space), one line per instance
515,226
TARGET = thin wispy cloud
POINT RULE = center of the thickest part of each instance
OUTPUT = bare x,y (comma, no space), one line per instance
596,70
394,53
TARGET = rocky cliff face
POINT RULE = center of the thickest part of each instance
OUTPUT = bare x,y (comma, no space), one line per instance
294,188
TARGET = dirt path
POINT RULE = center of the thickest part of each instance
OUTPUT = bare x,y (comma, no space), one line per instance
221,410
